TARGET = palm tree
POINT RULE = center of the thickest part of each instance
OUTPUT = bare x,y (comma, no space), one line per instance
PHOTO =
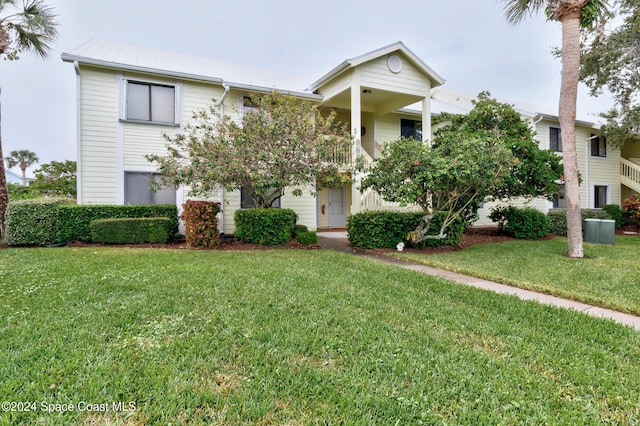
23,159
31,26
573,15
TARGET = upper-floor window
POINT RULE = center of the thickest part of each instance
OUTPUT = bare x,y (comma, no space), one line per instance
411,128
555,139
151,102
598,146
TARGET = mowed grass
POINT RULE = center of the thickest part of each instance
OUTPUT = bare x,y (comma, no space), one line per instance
608,276
294,337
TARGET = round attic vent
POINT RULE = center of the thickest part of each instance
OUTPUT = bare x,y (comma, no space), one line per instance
394,63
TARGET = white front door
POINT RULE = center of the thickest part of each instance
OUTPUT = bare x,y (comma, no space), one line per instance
337,214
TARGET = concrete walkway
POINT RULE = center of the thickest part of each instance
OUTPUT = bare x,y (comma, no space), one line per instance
338,241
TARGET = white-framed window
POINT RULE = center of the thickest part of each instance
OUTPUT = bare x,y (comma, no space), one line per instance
137,190
558,201
411,128
246,105
150,102
600,196
555,139
246,202
598,146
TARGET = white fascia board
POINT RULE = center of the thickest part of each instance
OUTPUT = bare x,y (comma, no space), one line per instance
125,67
262,89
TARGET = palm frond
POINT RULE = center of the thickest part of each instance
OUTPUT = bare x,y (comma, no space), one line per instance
516,10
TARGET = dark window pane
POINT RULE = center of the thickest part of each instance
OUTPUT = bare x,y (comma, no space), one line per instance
600,196
411,129
555,139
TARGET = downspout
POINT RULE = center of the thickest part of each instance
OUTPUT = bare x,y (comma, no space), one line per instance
76,67
222,99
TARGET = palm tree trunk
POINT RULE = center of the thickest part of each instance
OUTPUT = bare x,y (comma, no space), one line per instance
567,115
4,195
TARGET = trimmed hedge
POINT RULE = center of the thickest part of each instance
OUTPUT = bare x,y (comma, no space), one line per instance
522,223
558,218
74,220
386,229
34,222
267,227
307,238
201,223
130,230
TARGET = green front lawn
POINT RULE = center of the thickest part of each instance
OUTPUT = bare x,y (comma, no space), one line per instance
608,276
293,337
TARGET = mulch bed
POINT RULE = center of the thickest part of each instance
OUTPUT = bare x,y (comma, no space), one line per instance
472,237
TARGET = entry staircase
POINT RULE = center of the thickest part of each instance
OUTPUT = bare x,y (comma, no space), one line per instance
630,173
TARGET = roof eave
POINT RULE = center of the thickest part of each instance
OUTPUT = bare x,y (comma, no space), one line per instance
127,67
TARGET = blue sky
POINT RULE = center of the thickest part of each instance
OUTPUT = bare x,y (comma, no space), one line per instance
467,42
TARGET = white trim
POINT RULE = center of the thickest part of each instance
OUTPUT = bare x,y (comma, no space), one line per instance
122,83
179,203
78,133
178,92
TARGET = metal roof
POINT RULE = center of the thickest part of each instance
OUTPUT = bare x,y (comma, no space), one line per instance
131,57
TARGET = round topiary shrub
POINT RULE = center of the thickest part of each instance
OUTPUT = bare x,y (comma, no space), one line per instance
307,238
299,229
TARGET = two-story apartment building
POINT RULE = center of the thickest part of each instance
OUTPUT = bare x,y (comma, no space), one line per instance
128,96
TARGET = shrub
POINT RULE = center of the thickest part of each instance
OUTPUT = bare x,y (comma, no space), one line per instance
387,229
632,208
522,223
34,222
130,230
299,229
75,219
615,212
201,223
307,238
267,227
558,218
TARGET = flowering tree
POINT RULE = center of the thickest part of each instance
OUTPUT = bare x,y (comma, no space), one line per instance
281,142
489,153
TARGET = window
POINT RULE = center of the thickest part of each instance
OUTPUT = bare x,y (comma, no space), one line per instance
555,139
411,129
598,146
248,105
558,199
246,202
136,190
599,196
151,102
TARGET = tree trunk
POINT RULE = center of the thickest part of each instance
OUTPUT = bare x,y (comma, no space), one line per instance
24,176
4,195
567,114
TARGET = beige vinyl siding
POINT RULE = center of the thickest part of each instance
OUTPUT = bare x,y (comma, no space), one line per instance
409,80
229,207
198,95
98,133
304,206
540,204
141,140
336,85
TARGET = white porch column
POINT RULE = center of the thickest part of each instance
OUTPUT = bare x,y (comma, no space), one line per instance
356,125
426,119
